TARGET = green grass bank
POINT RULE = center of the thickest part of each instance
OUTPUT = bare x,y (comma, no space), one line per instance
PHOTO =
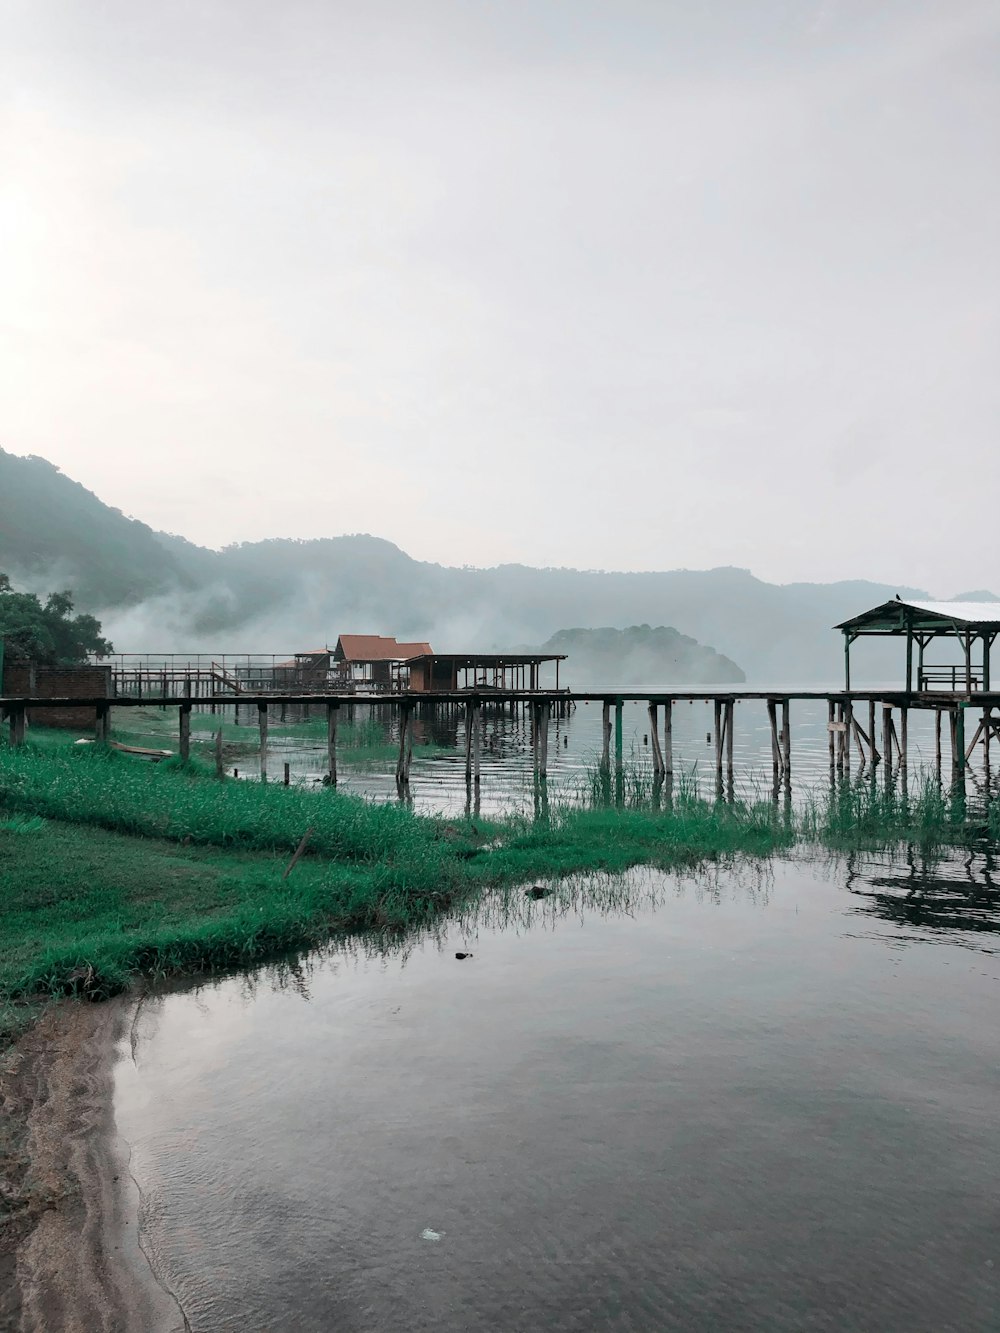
112,868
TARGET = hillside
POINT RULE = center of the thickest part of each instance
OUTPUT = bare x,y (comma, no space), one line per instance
158,592
640,655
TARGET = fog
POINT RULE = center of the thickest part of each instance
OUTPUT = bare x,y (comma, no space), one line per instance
624,285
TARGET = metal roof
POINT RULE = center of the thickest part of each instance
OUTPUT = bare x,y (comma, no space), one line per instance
894,617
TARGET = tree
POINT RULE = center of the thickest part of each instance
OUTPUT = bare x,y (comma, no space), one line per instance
47,633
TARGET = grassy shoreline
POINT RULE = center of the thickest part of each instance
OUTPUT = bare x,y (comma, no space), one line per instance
111,868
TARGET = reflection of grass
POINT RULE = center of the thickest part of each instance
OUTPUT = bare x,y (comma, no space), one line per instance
132,868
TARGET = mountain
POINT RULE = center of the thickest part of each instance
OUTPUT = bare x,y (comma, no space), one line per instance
157,592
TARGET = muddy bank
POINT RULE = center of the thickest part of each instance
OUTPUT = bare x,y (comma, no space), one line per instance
69,1254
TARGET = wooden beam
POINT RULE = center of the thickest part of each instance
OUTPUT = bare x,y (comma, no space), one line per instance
786,741
772,715
730,727
668,738
606,733
718,739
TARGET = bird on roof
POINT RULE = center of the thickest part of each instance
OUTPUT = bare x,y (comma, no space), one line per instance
898,598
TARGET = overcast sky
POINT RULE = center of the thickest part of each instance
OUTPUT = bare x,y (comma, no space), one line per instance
603,283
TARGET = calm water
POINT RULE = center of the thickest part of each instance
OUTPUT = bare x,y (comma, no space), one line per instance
751,1100
438,779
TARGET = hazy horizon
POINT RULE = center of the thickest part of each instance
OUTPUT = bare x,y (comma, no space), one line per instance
632,286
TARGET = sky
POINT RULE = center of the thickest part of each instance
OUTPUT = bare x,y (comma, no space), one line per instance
620,284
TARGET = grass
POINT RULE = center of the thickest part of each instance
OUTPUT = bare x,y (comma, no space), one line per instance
111,867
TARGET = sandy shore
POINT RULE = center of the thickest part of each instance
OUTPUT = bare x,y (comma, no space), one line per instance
69,1253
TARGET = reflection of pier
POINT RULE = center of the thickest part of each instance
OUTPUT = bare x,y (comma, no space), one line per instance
862,724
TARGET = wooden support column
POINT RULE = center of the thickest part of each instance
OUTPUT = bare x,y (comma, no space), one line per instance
184,731
654,736
219,770
468,742
332,718
873,754
619,705
477,742
405,746
960,738
937,740
18,716
904,735
772,717
730,727
262,729
717,737
102,721
831,734
606,734
543,739
887,738
668,738
786,742
848,728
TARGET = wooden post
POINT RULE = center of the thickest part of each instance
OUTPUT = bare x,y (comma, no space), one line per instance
477,742
18,714
847,660
887,738
872,751
606,734
909,657
937,740
468,743
101,723
402,765
619,705
287,777
772,717
332,718
718,739
786,742
831,734
960,739
848,728
904,735
658,766
668,738
730,720
543,739
219,770
262,728
184,737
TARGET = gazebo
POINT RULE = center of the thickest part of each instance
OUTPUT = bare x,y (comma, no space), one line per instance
921,623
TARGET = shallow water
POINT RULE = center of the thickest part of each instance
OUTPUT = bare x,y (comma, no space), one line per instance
750,1099
438,778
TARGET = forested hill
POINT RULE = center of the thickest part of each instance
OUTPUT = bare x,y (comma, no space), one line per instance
640,655
158,592
54,532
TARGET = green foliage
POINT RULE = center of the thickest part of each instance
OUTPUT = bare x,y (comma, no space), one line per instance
47,633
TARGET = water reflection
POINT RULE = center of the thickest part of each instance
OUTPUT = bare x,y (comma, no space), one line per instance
649,1101
957,891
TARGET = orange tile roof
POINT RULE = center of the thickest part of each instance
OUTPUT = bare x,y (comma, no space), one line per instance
376,648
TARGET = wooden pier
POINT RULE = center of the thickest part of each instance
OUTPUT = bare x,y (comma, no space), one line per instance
869,727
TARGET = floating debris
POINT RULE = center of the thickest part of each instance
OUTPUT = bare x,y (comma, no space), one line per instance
539,891
428,1234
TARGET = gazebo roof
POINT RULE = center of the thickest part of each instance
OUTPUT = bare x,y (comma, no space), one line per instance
897,616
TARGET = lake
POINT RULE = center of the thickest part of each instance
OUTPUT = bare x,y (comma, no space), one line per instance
753,1097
